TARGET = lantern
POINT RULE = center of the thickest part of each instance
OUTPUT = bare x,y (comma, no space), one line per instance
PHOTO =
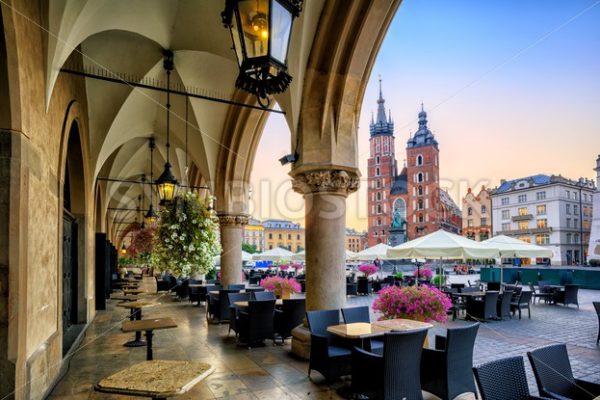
261,31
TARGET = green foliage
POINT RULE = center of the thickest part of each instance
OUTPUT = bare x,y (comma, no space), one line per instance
249,248
125,261
437,278
186,241
399,275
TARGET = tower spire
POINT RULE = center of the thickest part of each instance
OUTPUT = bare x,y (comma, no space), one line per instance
381,118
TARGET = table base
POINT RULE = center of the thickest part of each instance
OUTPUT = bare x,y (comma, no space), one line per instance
135,343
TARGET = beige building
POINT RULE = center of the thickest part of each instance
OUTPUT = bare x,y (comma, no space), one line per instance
477,215
285,234
254,234
355,241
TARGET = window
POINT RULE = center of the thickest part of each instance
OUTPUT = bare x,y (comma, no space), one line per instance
298,237
483,209
470,223
483,221
377,171
504,201
377,160
270,236
289,236
568,194
541,209
378,208
540,195
420,177
420,204
522,198
419,160
378,183
379,221
575,209
280,236
542,239
523,225
568,207
568,222
506,226
568,238
420,190
525,238
378,196
270,247
469,211
542,223
575,223
420,217
505,214
575,195
523,211
576,238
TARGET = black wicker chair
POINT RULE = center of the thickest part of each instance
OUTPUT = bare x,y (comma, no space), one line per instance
162,285
330,360
503,379
361,314
233,310
237,286
567,296
446,372
263,296
554,377
288,317
493,286
364,286
523,302
254,290
219,305
597,307
483,310
504,304
256,324
394,375
351,289
539,294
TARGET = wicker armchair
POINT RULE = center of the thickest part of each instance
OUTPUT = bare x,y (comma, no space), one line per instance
503,306
351,289
540,294
568,296
263,296
554,376
162,285
363,286
523,302
483,310
256,324
325,357
503,379
446,372
395,375
288,317
219,305
494,286
361,314
233,310
597,307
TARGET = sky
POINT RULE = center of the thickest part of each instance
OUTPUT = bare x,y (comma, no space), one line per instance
511,88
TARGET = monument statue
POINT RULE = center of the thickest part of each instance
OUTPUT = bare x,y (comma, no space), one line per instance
398,222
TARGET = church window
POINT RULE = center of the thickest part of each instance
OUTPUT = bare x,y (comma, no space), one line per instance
419,160
420,204
420,190
377,171
386,146
379,221
420,217
420,177
378,196
483,209
377,146
378,208
378,183
470,211
377,160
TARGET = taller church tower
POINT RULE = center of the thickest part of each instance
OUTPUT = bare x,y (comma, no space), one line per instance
381,170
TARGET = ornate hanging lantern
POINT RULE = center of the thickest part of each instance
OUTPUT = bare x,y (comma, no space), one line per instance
151,216
261,31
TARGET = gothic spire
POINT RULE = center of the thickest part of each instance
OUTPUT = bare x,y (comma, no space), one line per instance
381,106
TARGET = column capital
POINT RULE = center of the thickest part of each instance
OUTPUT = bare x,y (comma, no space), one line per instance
233,219
336,181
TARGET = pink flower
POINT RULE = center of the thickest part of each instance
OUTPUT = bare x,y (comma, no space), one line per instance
368,269
284,267
421,304
297,266
424,273
278,284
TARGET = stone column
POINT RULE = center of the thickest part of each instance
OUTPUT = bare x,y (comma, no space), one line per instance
232,229
325,193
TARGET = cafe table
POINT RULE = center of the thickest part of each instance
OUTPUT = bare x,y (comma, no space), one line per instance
244,304
156,379
123,297
133,291
135,313
148,326
365,330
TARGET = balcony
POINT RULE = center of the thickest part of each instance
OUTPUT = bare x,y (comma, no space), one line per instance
525,217
517,232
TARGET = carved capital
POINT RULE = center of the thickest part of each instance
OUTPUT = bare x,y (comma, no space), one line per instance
233,219
326,180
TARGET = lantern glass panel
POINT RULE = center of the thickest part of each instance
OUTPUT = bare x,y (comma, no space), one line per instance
281,28
235,36
166,191
254,18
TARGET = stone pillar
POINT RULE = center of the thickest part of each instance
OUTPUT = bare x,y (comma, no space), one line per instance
325,193
232,229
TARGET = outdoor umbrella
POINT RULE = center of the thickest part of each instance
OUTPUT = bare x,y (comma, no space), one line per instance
442,244
514,248
350,255
378,251
276,254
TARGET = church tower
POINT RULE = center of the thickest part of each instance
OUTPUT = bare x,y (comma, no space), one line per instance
423,181
381,170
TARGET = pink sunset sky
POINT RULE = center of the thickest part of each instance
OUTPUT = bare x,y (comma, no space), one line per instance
511,89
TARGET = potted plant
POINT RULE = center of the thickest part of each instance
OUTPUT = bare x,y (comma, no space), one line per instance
422,303
424,274
364,285
368,269
399,276
282,287
439,280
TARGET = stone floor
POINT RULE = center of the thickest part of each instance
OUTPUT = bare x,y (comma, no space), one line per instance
271,372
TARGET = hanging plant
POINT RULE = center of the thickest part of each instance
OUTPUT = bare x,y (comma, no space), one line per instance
186,241
142,245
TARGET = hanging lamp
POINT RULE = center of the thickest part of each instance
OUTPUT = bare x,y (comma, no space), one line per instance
151,216
166,184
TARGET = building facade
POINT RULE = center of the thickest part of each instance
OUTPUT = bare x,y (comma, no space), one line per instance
284,234
355,241
414,192
254,234
550,211
594,212
477,214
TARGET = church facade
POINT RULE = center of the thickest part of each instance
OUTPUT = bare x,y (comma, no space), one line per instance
408,203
